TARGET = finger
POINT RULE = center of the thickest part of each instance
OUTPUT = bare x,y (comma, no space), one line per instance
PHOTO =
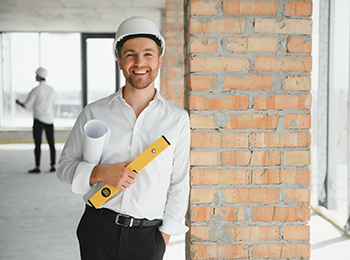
130,181
132,178
121,187
124,164
133,175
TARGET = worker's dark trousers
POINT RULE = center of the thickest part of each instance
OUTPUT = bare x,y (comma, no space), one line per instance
37,134
102,239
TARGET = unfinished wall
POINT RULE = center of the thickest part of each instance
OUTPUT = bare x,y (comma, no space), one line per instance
247,88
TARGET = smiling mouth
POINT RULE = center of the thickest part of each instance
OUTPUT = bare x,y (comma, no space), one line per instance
140,72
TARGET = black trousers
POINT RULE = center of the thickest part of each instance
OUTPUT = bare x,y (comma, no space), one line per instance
38,128
102,239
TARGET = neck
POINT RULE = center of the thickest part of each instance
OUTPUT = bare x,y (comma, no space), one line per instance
138,99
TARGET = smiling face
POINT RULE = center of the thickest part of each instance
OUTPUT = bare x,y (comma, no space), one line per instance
140,61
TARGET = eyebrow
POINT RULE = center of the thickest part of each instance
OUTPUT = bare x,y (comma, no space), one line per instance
145,50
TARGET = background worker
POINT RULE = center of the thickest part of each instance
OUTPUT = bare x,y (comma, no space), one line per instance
138,221
42,99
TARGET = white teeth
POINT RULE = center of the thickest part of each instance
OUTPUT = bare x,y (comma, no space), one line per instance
140,72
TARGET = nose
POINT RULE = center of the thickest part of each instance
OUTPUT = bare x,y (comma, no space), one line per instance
138,60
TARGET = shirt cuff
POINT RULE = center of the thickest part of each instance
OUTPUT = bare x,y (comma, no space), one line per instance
81,180
172,227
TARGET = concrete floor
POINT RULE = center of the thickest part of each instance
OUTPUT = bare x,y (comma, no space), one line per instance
39,215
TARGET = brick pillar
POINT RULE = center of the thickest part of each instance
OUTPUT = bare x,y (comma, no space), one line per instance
172,80
247,89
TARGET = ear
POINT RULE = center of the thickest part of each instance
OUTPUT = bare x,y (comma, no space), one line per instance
160,61
119,63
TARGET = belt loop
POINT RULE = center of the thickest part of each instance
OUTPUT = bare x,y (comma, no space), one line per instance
141,224
100,214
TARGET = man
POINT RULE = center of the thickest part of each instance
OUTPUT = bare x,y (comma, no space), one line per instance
42,99
150,206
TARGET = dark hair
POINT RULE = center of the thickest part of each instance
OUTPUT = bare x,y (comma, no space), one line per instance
150,36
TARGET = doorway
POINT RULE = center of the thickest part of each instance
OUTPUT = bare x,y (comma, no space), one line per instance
100,72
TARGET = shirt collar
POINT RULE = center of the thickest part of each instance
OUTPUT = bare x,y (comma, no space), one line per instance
157,96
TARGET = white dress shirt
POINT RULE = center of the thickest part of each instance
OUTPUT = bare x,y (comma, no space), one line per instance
42,100
162,188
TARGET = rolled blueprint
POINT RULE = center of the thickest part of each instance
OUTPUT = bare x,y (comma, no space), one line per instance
95,137
94,140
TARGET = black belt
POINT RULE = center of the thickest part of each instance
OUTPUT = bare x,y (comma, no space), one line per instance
124,220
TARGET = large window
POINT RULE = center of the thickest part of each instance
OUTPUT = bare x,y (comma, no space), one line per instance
330,108
22,54
100,68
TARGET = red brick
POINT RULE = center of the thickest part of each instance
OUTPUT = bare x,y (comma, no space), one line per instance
198,83
282,214
203,8
256,7
219,251
299,8
255,158
297,195
298,83
221,103
287,26
202,195
298,176
280,176
263,140
299,45
282,102
217,177
199,234
219,140
266,158
211,64
277,251
203,45
203,158
202,214
297,158
251,195
296,232
298,121
253,121
223,25
249,82
202,121
236,158
254,233
251,44
230,213
270,63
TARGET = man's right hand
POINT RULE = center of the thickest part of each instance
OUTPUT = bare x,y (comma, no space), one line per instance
115,175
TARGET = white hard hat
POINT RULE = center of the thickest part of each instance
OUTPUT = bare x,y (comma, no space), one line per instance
138,25
41,72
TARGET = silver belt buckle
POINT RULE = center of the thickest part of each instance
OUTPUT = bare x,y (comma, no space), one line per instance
125,217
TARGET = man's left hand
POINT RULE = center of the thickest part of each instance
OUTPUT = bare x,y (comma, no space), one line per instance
166,237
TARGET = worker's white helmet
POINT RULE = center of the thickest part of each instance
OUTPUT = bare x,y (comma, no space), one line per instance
41,72
138,26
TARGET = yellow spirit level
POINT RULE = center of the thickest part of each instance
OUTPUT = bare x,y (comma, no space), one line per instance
105,192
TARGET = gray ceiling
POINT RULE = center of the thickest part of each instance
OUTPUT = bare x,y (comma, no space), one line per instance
73,15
